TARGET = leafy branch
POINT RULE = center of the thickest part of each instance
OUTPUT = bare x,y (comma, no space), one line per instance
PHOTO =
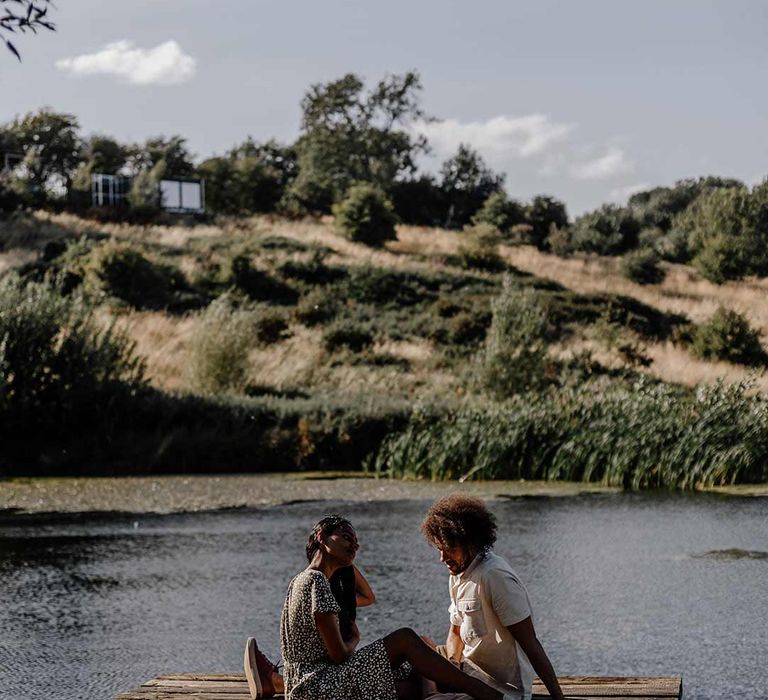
19,16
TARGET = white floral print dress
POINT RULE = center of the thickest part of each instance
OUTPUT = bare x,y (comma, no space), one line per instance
309,672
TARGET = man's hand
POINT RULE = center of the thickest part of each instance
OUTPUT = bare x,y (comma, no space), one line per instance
454,645
525,636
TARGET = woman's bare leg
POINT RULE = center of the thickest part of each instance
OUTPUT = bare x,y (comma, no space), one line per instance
405,645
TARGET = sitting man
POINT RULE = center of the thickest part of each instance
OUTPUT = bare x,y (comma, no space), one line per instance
492,634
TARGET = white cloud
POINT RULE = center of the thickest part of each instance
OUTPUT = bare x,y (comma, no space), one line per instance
614,162
620,194
165,64
498,138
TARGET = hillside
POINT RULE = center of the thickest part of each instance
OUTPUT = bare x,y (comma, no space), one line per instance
345,351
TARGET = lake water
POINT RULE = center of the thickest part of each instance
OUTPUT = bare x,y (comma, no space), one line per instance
625,584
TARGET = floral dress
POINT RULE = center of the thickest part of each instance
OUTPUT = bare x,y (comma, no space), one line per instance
309,673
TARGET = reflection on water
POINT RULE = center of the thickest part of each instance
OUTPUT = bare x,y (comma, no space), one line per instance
621,584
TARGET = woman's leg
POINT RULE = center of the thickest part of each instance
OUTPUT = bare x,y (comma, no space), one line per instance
405,645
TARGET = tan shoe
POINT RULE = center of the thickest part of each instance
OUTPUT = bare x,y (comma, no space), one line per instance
258,671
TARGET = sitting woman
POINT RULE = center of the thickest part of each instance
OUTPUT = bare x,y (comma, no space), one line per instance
321,665
351,591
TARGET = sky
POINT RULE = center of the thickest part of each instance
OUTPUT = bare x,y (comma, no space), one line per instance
585,100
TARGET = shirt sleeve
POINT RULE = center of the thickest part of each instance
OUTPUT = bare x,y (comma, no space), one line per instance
322,597
508,597
453,612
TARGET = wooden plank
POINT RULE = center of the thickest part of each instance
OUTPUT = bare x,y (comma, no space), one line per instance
233,686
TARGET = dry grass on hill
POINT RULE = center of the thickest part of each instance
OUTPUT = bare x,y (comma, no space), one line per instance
300,361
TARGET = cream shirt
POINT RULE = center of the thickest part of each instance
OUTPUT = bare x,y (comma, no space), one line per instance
485,598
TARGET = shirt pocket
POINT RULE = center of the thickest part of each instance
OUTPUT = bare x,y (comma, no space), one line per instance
472,622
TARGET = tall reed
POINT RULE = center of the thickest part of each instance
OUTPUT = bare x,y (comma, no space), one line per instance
644,435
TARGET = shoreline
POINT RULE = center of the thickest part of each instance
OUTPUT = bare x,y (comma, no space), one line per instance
159,495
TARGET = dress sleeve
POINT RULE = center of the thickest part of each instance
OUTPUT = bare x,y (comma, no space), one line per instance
322,597
508,597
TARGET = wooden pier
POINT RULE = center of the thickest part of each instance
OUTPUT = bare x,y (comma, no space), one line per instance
232,686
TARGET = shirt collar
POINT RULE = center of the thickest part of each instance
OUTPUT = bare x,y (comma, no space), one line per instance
472,565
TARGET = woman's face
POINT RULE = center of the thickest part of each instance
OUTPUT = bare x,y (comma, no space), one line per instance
342,544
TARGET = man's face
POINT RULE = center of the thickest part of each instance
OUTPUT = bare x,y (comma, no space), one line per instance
457,558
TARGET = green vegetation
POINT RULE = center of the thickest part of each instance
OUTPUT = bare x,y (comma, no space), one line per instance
218,361
272,343
728,336
641,435
642,266
365,215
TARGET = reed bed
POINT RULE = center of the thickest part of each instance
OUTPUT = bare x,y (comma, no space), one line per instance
642,435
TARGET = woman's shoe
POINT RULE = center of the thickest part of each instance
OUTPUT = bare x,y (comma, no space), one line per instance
258,671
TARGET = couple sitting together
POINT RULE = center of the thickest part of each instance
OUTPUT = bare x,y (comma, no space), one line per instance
491,651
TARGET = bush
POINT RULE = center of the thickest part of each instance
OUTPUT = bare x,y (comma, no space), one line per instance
722,258
642,266
125,273
479,247
270,327
514,358
728,336
312,271
56,360
542,215
501,212
256,284
610,230
316,308
219,348
348,336
365,215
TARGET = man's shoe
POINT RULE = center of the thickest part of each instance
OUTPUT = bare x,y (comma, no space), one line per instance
258,671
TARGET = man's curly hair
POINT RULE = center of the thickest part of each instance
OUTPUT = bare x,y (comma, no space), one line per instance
460,520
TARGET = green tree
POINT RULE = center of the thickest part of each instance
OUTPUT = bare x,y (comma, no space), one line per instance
352,135
50,145
657,207
609,230
500,211
727,232
251,178
466,182
542,214
172,152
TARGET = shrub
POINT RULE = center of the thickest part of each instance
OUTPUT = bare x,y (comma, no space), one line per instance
642,266
722,258
514,358
256,284
365,215
219,348
56,360
389,288
312,271
728,336
125,273
542,214
317,307
350,336
610,230
501,212
270,327
479,247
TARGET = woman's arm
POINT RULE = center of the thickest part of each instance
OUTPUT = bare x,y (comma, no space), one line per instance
328,627
363,591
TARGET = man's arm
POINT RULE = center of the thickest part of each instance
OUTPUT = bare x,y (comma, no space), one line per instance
454,645
525,636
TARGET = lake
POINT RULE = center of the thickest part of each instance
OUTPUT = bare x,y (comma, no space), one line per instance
621,583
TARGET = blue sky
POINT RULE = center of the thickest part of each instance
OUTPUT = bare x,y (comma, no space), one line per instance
586,100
